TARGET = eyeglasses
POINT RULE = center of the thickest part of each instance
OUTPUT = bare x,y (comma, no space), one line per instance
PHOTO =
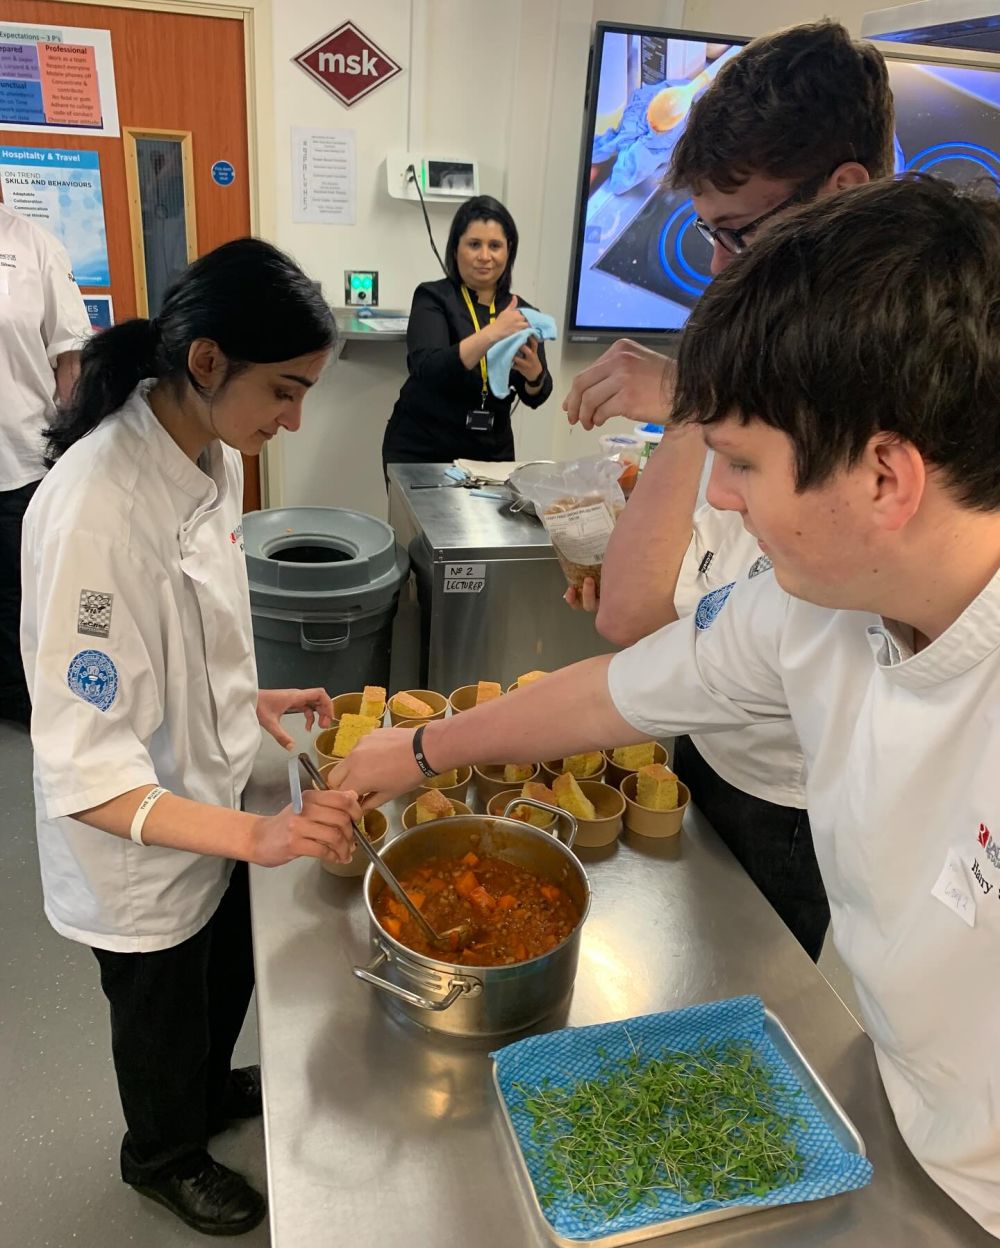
735,241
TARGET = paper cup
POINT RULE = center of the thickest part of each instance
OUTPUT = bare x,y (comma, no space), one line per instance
376,826
610,807
464,698
615,774
550,771
454,792
346,704
410,813
489,781
323,748
499,802
656,823
436,700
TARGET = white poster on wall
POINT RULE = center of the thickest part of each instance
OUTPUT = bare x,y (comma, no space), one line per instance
324,176
57,80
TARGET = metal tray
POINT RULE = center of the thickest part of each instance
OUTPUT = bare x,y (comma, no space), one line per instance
843,1129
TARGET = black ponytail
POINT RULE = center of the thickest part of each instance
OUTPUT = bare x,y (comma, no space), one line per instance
247,296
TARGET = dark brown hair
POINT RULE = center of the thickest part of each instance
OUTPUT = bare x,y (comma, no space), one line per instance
794,104
875,310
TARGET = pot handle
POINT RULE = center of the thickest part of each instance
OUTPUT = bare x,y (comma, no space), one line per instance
552,810
458,987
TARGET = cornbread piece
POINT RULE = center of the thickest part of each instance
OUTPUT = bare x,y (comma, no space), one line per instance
487,691
373,701
529,678
583,765
433,805
514,773
412,708
656,787
571,797
539,791
446,780
352,729
632,757
530,814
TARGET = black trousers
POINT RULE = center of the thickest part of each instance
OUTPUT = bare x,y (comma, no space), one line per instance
773,844
14,700
175,1018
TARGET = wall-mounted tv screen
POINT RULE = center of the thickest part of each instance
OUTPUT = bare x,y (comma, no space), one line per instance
639,266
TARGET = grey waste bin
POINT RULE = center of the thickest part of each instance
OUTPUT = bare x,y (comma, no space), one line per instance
324,585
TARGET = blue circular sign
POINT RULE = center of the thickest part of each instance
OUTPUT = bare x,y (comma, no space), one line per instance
223,173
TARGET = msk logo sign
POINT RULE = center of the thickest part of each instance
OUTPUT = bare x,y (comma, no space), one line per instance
347,63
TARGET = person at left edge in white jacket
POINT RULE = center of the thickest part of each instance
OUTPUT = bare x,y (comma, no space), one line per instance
137,643
43,325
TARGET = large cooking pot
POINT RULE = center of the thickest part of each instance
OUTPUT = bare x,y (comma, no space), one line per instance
479,1001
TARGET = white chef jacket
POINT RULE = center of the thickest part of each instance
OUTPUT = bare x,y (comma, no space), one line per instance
42,315
138,650
904,797
764,760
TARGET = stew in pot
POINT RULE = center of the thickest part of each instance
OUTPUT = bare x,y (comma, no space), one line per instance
514,914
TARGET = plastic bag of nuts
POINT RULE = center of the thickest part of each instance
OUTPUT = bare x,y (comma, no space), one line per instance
578,503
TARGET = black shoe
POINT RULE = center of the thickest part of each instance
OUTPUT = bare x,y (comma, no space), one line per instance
213,1200
241,1099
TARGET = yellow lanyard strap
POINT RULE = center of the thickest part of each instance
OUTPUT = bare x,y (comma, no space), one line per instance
475,320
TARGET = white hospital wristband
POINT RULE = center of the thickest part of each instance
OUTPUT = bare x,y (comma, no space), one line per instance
145,806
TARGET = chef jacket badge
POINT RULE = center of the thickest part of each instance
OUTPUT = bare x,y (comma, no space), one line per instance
763,564
94,616
711,605
93,677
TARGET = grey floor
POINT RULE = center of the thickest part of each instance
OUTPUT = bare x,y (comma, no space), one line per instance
60,1121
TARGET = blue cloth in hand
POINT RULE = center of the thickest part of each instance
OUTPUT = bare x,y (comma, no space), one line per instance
500,357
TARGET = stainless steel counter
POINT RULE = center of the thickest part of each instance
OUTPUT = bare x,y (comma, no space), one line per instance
501,613
380,1134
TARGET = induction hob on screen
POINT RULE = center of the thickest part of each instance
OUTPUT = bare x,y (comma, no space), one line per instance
639,265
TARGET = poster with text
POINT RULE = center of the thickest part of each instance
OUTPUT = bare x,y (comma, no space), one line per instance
324,176
57,80
61,190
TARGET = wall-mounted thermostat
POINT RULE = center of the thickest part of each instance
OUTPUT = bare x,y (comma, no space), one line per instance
439,177
361,288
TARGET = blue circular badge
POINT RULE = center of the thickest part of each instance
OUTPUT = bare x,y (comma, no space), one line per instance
223,173
711,605
93,677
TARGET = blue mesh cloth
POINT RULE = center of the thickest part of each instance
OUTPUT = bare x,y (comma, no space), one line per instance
568,1056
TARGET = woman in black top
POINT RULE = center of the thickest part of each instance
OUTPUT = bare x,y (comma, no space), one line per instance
445,410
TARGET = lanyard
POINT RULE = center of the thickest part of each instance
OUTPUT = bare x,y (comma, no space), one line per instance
475,320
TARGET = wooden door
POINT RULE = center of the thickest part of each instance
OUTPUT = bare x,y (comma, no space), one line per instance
174,73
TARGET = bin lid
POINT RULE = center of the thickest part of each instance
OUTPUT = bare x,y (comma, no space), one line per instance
298,555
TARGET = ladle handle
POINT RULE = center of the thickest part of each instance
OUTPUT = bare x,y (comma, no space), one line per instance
376,860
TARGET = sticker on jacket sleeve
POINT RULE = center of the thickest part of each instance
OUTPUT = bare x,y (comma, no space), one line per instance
711,605
952,888
93,677
94,616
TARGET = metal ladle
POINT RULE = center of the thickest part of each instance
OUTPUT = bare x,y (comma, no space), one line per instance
452,939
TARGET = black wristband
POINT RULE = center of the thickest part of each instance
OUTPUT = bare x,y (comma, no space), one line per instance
419,755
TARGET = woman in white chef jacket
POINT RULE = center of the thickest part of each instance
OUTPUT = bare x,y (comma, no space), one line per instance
136,634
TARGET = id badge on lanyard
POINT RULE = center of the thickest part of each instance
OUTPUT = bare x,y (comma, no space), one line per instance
480,420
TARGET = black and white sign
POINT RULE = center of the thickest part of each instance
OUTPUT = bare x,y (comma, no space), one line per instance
464,578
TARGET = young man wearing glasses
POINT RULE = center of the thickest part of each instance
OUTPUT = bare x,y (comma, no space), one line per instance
796,116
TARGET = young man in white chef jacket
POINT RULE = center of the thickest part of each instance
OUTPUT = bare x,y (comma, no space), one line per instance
796,115
845,373
43,324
